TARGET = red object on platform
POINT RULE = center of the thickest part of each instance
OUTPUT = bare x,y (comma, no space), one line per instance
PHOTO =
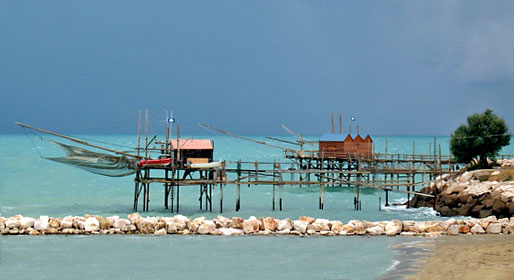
154,162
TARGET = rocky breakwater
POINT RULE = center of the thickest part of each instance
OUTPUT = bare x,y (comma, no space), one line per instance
478,193
303,226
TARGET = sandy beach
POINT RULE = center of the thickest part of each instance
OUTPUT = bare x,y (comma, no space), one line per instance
468,257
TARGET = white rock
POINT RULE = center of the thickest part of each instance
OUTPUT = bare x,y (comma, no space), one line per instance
91,224
251,226
206,227
284,224
12,223
392,229
222,222
477,229
375,230
120,223
180,221
171,227
41,225
453,230
300,226
160,232
230,231
321,225
134,217
81,224
27,222
67,222
196,223
284,231
494,228
486,221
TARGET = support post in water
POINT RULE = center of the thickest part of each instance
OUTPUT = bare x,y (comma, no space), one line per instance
238,199
221,198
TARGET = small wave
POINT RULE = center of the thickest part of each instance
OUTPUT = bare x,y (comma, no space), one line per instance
416,213
393,266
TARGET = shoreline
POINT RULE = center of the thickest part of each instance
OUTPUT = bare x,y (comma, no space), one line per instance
465,257
303,226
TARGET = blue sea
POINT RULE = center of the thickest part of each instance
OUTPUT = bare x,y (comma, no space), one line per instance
33,186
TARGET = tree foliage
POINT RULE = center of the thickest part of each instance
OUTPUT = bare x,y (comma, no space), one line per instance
483,137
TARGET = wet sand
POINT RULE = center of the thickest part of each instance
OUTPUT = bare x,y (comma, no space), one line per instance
466,257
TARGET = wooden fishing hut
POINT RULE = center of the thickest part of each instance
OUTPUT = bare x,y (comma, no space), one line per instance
337,146
192,151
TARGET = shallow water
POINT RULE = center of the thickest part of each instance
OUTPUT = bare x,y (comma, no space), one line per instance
194,257
31,186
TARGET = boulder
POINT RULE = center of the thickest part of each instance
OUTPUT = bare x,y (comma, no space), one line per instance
270,223
375,230
231,231
392,229
321,225
284,224
104,223
206,227
446,224
121,223
181,222
171,227
145,225
134,217
91,224
223,222
160,232
356,226
453,230
53,223
486,221
12,223
494,228
251,226
26,222
309,220
464,228
409,226
336,226
433,226
237,222
41,224
193,227
161,224
300,225
477,229
67,222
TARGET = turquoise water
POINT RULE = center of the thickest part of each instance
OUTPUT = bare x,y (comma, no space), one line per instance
31,186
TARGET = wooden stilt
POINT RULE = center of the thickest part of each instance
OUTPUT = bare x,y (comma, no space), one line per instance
221,198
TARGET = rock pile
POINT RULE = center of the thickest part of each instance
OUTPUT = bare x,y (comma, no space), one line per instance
478,193
505,162
135,224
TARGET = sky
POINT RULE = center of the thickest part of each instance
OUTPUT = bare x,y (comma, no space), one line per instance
398,67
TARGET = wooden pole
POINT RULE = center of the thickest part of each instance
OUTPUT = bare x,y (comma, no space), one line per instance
273,191
139,133
238,199
178,147
386,146
280,187
332,124
146,133
221,198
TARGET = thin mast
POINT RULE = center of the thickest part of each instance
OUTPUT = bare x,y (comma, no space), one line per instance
76,140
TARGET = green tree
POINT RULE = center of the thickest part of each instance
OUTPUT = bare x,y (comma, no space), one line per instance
483,137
